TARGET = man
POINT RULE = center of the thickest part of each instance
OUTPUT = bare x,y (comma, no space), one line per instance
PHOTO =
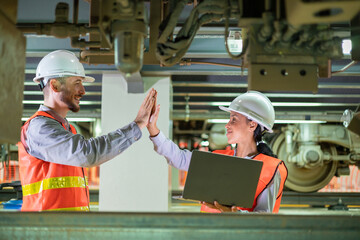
51,154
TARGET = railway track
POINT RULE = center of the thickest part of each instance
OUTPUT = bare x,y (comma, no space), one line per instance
334,200
316,199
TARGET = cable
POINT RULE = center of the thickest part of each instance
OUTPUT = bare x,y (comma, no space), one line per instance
357,108
245,41
170,51
346,67
188,63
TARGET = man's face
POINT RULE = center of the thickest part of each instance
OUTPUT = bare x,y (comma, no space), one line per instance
71,93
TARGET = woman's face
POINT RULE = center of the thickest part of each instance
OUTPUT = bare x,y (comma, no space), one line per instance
239,129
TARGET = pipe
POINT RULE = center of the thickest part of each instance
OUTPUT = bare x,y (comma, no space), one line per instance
346,67
82,44
289,142
188,63
86,53
75,11
60,30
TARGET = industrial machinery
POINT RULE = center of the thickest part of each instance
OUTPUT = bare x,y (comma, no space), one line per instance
314,153
292,50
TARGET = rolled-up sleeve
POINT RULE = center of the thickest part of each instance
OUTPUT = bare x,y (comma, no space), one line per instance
176,157
47,140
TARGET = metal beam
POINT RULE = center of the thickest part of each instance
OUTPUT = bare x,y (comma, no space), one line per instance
245,85
100,225
275,104
205,115
270,95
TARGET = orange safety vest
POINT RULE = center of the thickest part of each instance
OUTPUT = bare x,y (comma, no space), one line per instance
268,171
50,186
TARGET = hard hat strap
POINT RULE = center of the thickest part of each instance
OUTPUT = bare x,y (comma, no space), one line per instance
41,84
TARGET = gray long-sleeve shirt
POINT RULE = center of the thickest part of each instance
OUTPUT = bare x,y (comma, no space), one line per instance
180,159
47,140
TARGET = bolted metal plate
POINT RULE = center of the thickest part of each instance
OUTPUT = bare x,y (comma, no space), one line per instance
310,12
283,77
12,74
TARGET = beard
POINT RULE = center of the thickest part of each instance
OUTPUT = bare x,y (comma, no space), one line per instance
67,98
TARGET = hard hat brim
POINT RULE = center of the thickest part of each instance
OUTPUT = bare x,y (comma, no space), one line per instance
225,109
246,115
86,78
89,79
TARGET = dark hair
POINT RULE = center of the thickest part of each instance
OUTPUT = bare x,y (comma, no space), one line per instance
262,147
61,80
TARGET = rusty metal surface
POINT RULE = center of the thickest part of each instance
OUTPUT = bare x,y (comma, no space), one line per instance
176,226
305,12
156,12
12,74
8,8
355,38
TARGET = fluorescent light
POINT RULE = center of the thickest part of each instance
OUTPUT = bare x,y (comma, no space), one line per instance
218,121
220,103
33,101
97,128
346,46
279,104
81,119
308,104
299,121
81,102
276,121
71,119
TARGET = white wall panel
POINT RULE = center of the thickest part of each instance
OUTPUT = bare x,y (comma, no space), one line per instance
137,179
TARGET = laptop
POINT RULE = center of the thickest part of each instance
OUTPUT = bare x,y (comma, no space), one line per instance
229,180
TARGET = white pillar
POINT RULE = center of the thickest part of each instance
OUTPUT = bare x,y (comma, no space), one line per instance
137,179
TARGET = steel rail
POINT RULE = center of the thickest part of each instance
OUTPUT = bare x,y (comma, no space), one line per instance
176,226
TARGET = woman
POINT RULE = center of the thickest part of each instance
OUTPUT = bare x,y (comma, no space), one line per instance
251,115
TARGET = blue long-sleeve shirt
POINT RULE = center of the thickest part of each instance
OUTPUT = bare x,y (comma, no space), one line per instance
180,159
47,140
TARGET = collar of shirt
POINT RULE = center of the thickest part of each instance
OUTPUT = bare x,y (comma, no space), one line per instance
55,115
249,157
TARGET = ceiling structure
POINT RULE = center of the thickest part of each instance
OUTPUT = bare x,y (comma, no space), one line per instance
205,78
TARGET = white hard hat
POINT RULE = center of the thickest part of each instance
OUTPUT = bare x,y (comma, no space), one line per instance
60,63
256,106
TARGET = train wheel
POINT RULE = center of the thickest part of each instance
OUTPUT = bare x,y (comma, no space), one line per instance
302,179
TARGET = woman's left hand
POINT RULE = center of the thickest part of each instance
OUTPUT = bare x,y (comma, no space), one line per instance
220,207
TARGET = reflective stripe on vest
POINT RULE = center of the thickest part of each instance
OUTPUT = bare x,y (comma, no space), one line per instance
86,208
53,183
